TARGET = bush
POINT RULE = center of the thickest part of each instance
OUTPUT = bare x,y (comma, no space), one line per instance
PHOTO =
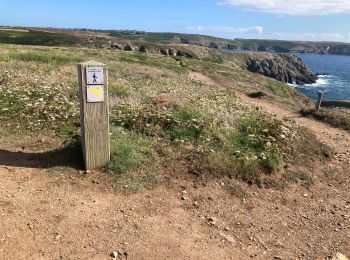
184,124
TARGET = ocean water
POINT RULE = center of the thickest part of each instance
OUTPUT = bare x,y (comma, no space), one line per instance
334,80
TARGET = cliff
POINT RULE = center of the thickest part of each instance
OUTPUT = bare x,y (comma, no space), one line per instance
283,67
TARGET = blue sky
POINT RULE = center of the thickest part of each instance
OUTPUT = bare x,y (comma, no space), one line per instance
274,19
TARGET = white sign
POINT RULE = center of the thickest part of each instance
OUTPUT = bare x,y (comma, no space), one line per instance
95,94
94,76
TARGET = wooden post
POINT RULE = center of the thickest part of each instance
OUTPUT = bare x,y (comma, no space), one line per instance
319,101
94,114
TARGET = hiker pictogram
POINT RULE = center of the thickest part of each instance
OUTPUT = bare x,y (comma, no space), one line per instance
94,78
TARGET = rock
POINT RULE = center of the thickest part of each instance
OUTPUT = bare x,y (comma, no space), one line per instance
142,49
30,226
114,254
228,238
212,221
337,256
283,67
127,47
195,203
213,45
184,198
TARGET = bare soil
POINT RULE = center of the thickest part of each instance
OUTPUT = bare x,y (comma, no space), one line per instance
65,214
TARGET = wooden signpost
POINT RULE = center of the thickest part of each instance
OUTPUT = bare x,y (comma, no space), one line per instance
319,101
94,114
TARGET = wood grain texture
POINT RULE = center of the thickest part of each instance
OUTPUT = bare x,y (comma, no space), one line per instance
94,119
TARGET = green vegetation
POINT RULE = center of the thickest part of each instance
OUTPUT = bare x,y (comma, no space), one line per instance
161,117
119,90
61,37
44,58
134,161
338,117
236,190
37,37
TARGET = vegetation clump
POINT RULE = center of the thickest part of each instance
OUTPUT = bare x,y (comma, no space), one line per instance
338,117
161,117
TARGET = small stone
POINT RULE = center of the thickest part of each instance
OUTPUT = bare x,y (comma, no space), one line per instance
114,254
196,204
30,226
212,221
228,238
305,195
184,192
227,229
339,256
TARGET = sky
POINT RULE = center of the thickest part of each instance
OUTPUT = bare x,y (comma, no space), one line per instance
259,19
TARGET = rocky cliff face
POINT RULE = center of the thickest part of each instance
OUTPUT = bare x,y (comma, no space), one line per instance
283,67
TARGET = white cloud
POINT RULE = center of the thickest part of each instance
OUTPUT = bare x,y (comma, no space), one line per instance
338,37
293,7
224,29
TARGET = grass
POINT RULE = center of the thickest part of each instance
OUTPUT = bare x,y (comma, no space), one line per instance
44,58
338,117
246,154
130,150
209,126
134,157
119,90
236,190
37,37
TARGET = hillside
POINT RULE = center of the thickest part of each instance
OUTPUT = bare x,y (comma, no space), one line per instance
200,168
211,158
285,68
104,38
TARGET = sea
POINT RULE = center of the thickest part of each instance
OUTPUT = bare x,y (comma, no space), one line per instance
333,79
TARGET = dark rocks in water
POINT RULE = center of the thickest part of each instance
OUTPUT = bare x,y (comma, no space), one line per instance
283,67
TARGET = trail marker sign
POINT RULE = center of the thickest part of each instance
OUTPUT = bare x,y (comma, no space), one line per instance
94,76
94,114
94,94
